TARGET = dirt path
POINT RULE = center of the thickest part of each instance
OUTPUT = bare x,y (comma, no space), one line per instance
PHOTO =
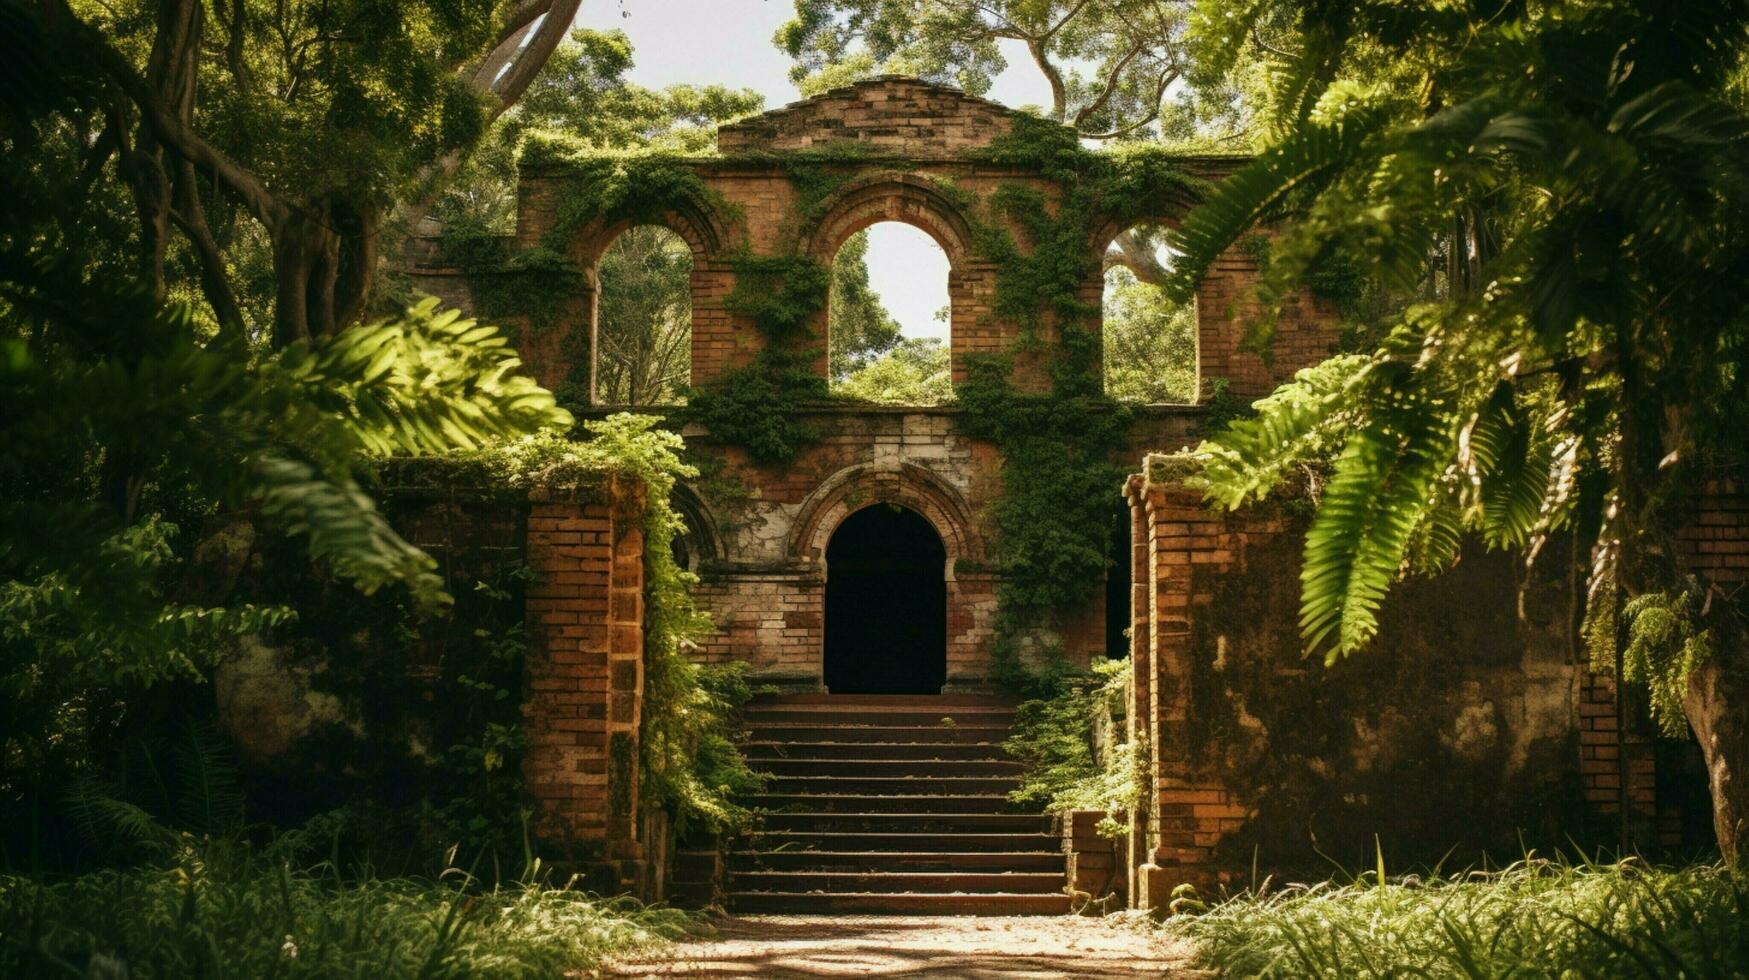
788,946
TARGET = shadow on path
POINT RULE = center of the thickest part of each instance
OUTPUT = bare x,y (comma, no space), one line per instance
789,946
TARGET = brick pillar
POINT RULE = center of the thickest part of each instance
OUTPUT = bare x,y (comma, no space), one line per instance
585,677
1306,329
1142,729
563,351
971,294
1607,750
1193,810
714,337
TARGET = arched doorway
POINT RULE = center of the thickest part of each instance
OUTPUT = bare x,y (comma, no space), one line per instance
886,604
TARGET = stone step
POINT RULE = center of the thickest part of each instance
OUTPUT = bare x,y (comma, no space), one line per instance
866,903
801,841
943,824
890,786
883,700
889,882
923,751
1050,861
969,803
815,732
890,768
880,718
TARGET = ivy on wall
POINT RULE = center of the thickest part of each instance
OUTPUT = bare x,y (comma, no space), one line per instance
1058,445
537,286
688,762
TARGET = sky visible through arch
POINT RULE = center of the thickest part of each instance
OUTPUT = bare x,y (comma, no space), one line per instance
728,42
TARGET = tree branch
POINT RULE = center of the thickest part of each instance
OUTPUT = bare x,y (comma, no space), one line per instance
1111,81
175,134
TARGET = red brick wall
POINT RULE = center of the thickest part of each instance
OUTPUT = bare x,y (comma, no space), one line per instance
766,588
921,137
889,113
1717,539
1603,742
1217,702
585,675
1306,330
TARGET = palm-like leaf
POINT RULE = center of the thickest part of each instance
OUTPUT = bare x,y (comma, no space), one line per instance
1299,420
1304,157
1358,542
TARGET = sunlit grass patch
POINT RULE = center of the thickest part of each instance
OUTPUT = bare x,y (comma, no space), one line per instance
226,911
1537,918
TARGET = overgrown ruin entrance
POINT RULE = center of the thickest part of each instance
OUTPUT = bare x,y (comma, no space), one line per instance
886,604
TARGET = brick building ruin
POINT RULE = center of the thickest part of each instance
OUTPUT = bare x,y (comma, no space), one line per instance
1475,703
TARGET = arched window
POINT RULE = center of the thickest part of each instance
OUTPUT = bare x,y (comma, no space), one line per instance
1150,340
889,317
643,332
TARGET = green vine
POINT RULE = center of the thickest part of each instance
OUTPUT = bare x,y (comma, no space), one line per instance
1059,447
688,762
759,405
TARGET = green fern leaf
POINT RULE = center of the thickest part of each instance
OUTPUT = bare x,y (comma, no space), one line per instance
1358,542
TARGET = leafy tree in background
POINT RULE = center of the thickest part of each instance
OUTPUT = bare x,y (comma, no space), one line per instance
1109,65
1578,175
1116,69
644,329
153,440
861,330
287,131
583,92
913,372
1149,341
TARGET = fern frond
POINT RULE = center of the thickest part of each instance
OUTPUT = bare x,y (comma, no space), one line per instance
1358,542
211,801
344,528
1439,537
102,818
1508,468
1299,420
1301,159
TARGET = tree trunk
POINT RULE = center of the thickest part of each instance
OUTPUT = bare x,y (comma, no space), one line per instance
1718,693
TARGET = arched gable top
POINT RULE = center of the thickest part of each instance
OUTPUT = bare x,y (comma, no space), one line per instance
891,196
906,484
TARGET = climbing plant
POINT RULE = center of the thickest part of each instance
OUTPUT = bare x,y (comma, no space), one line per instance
1059,446
688,762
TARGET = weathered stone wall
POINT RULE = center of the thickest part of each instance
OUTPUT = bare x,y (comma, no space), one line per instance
759,532
1458,727
915,162
1471,724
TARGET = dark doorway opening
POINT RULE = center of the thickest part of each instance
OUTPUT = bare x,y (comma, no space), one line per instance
886,604
1117,588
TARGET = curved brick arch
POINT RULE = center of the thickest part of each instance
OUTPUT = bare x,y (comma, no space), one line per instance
906,484
702,531
919,202
891,196
698,226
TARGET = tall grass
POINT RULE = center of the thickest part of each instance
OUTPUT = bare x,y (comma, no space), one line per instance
1535,919
227,910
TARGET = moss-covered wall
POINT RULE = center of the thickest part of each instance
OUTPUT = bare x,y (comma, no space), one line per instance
1456,735
1457,731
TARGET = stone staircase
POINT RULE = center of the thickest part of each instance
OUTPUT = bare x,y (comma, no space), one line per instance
891,804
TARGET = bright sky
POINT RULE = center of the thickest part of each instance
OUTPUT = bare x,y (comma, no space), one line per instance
728,42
